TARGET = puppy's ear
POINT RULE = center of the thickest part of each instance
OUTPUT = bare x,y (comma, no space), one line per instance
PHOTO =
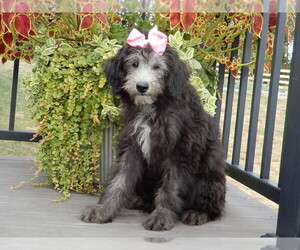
114,71
178,74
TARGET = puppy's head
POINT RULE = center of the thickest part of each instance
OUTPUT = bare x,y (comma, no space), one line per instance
144,75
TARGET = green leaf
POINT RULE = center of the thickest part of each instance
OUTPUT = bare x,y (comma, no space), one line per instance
102,82
111,111
64,46
195,64
51,42
182,55
190,53
47,51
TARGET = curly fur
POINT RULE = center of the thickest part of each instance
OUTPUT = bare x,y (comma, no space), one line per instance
169,157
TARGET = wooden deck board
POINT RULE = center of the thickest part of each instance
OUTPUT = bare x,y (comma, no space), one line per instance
29,212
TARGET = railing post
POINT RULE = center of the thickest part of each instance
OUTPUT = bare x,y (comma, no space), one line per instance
13,99
229,101
256,94
221,74
240,114
288,224
273,94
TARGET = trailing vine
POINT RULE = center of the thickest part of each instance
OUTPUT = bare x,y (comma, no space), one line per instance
73,104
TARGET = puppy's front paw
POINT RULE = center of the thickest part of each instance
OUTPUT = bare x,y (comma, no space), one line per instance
96,214
158,222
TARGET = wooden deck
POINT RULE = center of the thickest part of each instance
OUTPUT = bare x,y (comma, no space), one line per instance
29,212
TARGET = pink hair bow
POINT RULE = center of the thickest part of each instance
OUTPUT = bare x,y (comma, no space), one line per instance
156,39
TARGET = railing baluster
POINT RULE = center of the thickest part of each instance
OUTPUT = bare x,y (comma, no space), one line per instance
13,99
107,152
259,70
220,90
288,223
229,102
241,100
104,159
273,95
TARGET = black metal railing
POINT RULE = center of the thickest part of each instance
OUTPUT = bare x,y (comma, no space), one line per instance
245,175
287,191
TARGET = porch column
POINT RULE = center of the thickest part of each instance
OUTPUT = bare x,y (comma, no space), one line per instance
288,224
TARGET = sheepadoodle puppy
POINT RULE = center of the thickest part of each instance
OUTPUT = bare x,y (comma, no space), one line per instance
169,157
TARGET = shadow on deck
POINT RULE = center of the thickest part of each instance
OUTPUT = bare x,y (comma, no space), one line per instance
29,212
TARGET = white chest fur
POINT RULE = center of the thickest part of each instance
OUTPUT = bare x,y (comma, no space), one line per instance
142,130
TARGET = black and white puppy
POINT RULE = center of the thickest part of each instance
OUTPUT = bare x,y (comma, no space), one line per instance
169,157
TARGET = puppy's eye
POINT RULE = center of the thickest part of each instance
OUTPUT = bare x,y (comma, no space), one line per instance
156,66
135,64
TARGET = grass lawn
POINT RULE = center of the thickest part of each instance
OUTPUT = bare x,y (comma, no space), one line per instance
23,121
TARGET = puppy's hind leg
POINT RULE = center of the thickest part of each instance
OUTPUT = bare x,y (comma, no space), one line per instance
207,204
207,198
118,191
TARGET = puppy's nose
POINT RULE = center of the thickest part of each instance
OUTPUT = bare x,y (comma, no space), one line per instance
142,87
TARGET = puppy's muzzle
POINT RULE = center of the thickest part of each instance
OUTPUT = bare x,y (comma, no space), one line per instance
142,87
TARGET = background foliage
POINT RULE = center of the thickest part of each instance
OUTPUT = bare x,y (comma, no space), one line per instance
21,31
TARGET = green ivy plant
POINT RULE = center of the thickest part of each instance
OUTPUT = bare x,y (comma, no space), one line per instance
73,104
